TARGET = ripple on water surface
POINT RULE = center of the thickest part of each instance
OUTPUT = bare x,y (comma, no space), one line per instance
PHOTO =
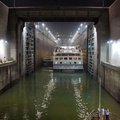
48,95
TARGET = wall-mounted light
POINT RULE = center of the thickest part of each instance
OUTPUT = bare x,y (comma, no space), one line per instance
85,26
81,24
110,41
1,40
36,26
43,24
46,29
2,47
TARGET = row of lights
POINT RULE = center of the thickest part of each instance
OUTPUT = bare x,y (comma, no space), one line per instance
110,41
80,30
3,41
46,30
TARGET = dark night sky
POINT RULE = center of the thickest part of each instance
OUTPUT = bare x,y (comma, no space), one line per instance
58,2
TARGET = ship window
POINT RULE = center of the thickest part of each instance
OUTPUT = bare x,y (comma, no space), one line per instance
56,58
74,58
61,58
79,58
65,58
70,58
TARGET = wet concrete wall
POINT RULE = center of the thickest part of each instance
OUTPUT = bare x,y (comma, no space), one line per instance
8,75
110,70
110,77
44,47
4,10
114,47
4,44
8,70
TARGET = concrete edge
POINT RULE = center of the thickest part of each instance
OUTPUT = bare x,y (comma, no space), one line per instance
107,65
112,4
3,4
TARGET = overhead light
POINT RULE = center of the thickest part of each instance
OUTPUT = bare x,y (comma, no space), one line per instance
1,40
43,24
111,41
46,29
36,26
85,26
81,24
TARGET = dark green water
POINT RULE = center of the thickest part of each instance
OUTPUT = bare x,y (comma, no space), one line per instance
48,95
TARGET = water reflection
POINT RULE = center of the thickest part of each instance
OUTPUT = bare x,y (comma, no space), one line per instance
42,108
74,80
48,95
81,105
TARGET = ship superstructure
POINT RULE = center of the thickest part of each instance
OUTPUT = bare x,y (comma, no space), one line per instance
67,58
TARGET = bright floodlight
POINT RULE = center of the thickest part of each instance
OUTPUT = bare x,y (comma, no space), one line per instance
43,24
111,41
36,26
1,40
46,28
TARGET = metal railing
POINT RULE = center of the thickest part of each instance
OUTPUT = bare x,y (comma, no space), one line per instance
95,114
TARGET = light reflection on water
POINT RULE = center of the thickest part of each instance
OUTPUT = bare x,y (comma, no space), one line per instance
48,95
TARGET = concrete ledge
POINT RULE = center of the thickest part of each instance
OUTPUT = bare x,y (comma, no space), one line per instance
7,64
113,67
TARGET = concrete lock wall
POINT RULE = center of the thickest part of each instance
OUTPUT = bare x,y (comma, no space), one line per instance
8,75
4,42
8,70
110,70
44,47
114,46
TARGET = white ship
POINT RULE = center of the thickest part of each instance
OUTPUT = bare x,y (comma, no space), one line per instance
67,58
